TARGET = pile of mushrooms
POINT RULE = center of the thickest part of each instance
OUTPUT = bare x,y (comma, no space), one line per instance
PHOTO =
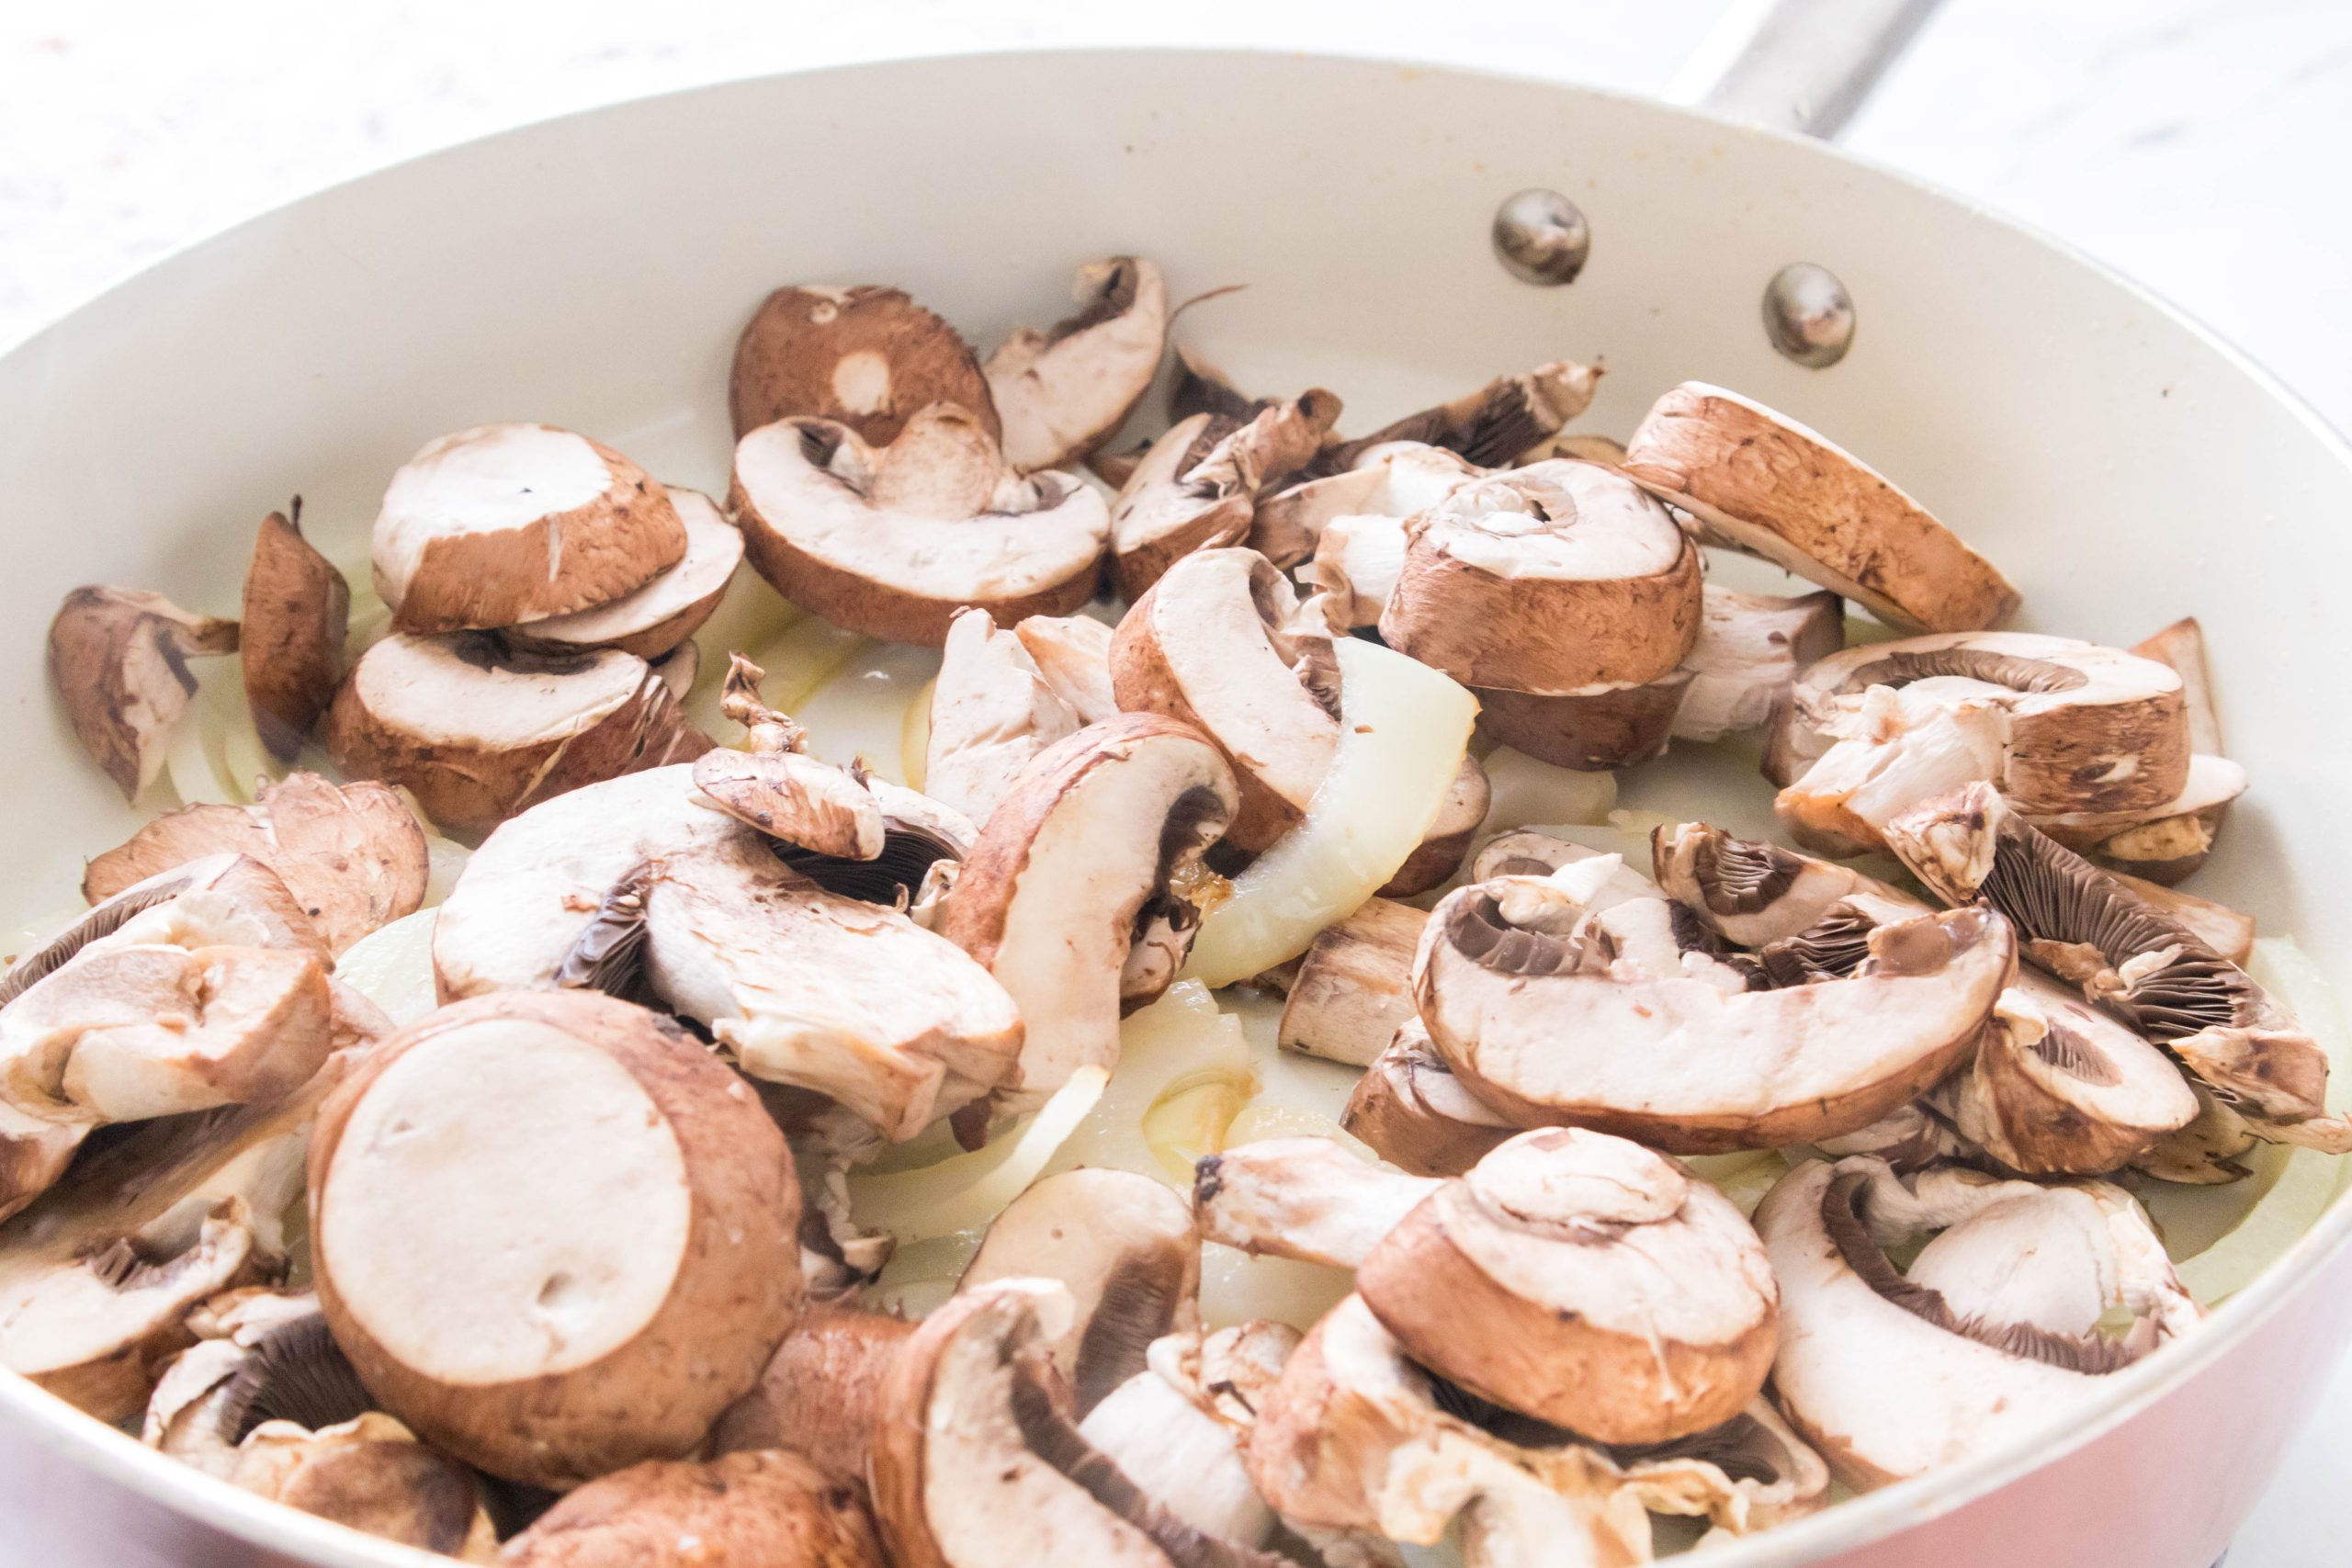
488,1124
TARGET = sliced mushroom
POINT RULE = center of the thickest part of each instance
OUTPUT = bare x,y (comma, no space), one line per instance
1750,1473
260,1356
652,620
820,1393
1619,1019
33,1155
1102,832
775,786
1993,1332
1368,501
1061,394
372,1475
2165,842
1550,579
120,658
605,1203
1197,486
224,900
510,523
868,357
1307,1199
991,710
1125,1248
1761,483
2227,932
1154,1429
1602,728
892,540
1532,852
743,1510
477,736
1494,425
1754,893
1443,848
2206,1152
1353,989
1073,654
979,1458
1750,648
1586,1282
1199,387
353,856
1415,1113
2130,958
296,614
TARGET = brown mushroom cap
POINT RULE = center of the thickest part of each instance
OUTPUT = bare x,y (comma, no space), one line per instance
1196,487
509,523
353,856
477,737
296,614
743,1510
867,356
893,540
1765,484
1605,727
1063,393
669,609
119,656
1414,1113
613,1216
1549,579
1353,986
1584,1280
820,1393
372,1475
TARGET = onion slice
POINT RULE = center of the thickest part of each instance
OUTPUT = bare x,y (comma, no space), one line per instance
967,1190
392,967
1403,727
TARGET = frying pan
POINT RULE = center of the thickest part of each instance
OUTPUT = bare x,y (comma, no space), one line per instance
2116,461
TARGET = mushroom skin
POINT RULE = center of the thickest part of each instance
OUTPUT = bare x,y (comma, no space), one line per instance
1604,727
820,1394
1413,1113
867,356
1062,393
372,1475
658,618
1361,509
297,613
743,1511
1556,577
775,786
1761,483
352,855
1197,486
668,1263
119,658
225,900
1352,990
502,524
1612,1292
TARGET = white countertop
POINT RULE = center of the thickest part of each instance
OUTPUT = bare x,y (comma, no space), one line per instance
2191,143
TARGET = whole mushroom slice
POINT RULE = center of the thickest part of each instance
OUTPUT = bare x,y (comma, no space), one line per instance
892,540
1063,393
1753,893
820,1393
1584,1280
2130,958
503,524
478,734
1761,483
1613,724
1750,648
352,855
1993,1333
979,1457
1495,424
1102,832
1198,485
371,1474
119,656
868,357
1125,1248
296,614
612,1217
1413,1113
1353,984
742,1510
1620,1022
224,900
1308,1199
1073,655
2163,843
991,710
1554,578
652,620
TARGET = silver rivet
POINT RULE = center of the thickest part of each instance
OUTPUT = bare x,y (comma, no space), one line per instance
1808,315
1541,237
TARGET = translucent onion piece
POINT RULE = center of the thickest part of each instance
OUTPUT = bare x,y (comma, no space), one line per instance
197,762
1235,1288
809,653
1190,1125
969,1189
1403,727
2301,1183
445,859
861,709
1742,1177
1181,1044
392,967
914,736
1530,794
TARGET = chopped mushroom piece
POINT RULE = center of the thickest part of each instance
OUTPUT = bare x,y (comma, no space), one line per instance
296,614
260,1356
371,1474
1098,842
820,1393
2165,842
1125,1248
1158,1435
1062,393
120,658
2130,958
1551,579
503,524
1073,654
1415,1113
1756,894
775,786
353,856
868,357
1353,989
1891,1373
1532,852
743,1510
1761,483
1369,501
892,540
225,900
605,1204
1749,1474
658,617
1750,648
1495,424
991,710
1197,486
1307,1199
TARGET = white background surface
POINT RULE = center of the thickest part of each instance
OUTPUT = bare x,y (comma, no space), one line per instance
2197,144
